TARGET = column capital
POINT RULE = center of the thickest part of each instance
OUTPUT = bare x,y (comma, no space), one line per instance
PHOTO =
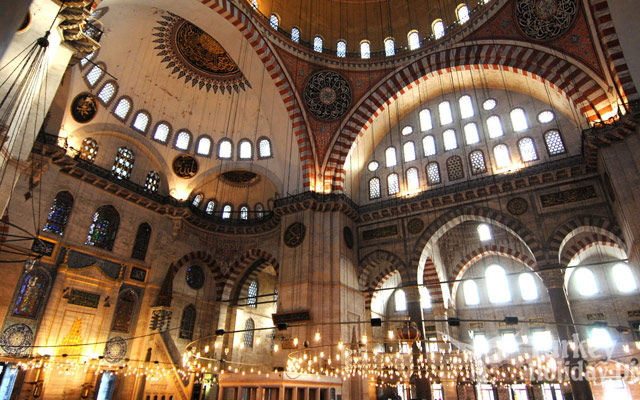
552,276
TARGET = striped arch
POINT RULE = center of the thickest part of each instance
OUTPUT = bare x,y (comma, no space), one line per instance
247,266
593,224
576,247
575,83
430,277
379,259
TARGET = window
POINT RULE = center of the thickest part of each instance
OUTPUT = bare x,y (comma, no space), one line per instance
59,213
187,322
252,294
544,117
413,180
463,13
480,344
600,338
196,200
407,130
585,282
542,340
429,146
425,298
211,206
444,109
494,125
373,166
341,49
478,165
224,149
401,300
317,44
274,21
264,148
374,188
528,287
141,243
519,120
389,47
489,104
616,389
245,151
259,210
183,140
471,296
414,40
141,122
409,150
484,232
425,120
390,157
244,212
501,156
393,184
254,4
295,34
471,134
365,49
161,134
86,60
554,142
549,390
32,292
247,337
466,107
449,139
124,311
226,211
622,276
121,111
107,92
509,342
88,150
433,173
195,277
438,28
527,149
520,392
104,228
94,74
152,182
497,284
454,168
123,163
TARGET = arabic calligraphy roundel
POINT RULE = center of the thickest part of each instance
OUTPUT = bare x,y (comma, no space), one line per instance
545,19
327,95
17,339
84,107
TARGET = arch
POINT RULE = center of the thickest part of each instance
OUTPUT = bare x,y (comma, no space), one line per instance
375,266
141,121
32,291
59,213
187,322
246,268
141,242
579,246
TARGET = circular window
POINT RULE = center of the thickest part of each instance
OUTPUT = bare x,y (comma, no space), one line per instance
546,116
373,166
407,130
489,104
195,277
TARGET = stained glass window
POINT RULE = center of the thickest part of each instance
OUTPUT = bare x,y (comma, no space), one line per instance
264,148
438,28
554,142
104,228
317,44
374,188
393,184
32,292
247,337
106,93
433,173
124,311
195,277
187,322
141,244
141,122
211,205
295,34
463,13
446,116
274,21
161,133
413,180
341,49
224,149
245,151
478,165
527,149
152,182
454,168
429,146
259,210
226,211
471,134
244,212
121,111
123,164
409,150
183,140
389,47
203,147
88,150
426,123
196,200
414,40
59,213
365,49
252,294
466,107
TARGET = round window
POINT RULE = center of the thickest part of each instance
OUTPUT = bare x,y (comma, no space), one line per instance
195,277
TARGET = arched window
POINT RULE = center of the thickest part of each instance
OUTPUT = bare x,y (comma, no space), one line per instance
463,13
59,213
471,296
86,59
426,123
393,184
494,126
433,173
374,188
225,149
141,121
449,139
203,147
211,206
554,143
389,47
471,134
444,109
274,21
141,244
161,134
425,298
104,228
497,284
245,151
196,200
484,232
414,40
259,210
413,179
226,211
264,148
33,288
438,28
124,311
480,345
429,146
252,294
544,117
623,277
152,182
187,322
600,338
409,150
390,157
501,156
317,44
365,49
122,108
407,130
247,337
123,163
519,120
401,300
244,212
95,74
105,95
183,140
527,149
295,34
88,150
341,49
478,165
454,168
466,107
528,287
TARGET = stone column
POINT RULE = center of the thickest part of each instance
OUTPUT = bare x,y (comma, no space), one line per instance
554,281
414,309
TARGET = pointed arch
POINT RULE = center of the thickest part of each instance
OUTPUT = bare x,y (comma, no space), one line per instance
244,270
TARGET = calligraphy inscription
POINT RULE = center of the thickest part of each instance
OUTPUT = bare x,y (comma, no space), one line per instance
185,166
568,196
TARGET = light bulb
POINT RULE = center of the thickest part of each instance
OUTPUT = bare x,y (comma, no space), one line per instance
295,342
317,337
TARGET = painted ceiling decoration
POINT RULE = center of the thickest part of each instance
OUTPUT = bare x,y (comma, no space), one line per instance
327,95
194,55
545,19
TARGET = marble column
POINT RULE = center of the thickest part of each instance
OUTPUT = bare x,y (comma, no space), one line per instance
414,309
